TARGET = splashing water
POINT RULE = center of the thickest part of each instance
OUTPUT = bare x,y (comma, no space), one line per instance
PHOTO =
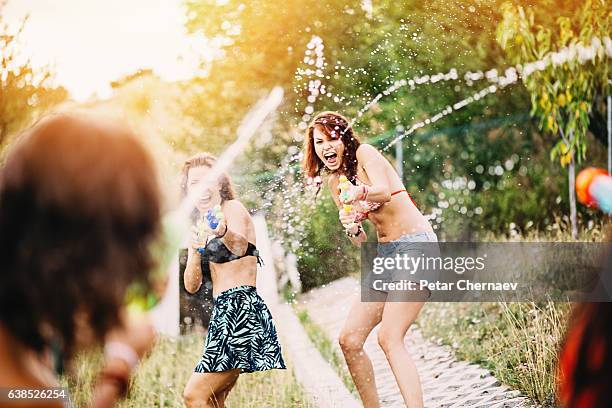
315,85
292,221
249,126
575,51
446,111
293,204
582,54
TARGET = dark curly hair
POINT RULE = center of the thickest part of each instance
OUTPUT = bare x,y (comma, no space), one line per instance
79,207
335,126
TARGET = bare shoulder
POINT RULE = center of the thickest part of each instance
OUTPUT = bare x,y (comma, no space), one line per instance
238,219
368,154
236,208
366,151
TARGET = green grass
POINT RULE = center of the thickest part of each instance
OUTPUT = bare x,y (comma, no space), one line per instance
518,342
327,350
161,378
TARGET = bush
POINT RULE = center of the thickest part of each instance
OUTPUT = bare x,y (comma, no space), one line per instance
326,254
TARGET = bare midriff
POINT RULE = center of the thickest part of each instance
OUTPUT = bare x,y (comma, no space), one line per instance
228,275
399,216
235,273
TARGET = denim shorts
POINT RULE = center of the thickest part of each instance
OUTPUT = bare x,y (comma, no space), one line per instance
412,246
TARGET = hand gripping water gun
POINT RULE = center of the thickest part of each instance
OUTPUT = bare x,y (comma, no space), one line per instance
201,229
209,222
214,216
164,250
344,186
594,189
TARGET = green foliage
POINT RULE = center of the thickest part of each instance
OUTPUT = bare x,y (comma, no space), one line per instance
263,43
411,39
562,94
25,92
506,183
161,378
518,342
326,254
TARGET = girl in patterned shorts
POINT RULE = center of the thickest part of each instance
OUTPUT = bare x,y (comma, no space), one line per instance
241,335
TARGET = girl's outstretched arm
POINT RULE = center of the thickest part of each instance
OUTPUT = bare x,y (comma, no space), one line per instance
233,230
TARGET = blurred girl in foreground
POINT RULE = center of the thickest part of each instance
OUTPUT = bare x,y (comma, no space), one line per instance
79,206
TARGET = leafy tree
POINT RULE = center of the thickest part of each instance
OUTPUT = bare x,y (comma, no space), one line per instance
265,43
562,94
25,92
262,43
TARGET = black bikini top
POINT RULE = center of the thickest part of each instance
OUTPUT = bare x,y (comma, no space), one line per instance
216,251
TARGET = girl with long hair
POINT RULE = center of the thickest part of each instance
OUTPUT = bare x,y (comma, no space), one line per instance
377,194
241,334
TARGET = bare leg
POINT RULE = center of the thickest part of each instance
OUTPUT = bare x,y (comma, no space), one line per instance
219,398
206,390
396,319
362,318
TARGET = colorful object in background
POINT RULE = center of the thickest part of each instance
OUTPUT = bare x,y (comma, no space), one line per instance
594,188
601,191
140,300
214,217
139,297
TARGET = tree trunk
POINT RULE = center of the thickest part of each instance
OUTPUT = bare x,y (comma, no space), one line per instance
572,191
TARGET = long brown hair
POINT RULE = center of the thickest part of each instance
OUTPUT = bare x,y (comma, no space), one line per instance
335,126
204,159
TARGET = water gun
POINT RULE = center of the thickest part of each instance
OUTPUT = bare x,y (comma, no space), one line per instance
344,186
594,189
209,222
214,216
164,250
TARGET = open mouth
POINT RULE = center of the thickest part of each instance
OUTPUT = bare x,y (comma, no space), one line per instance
331,158
204,200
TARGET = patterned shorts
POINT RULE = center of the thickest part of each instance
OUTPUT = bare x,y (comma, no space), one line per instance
241,334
